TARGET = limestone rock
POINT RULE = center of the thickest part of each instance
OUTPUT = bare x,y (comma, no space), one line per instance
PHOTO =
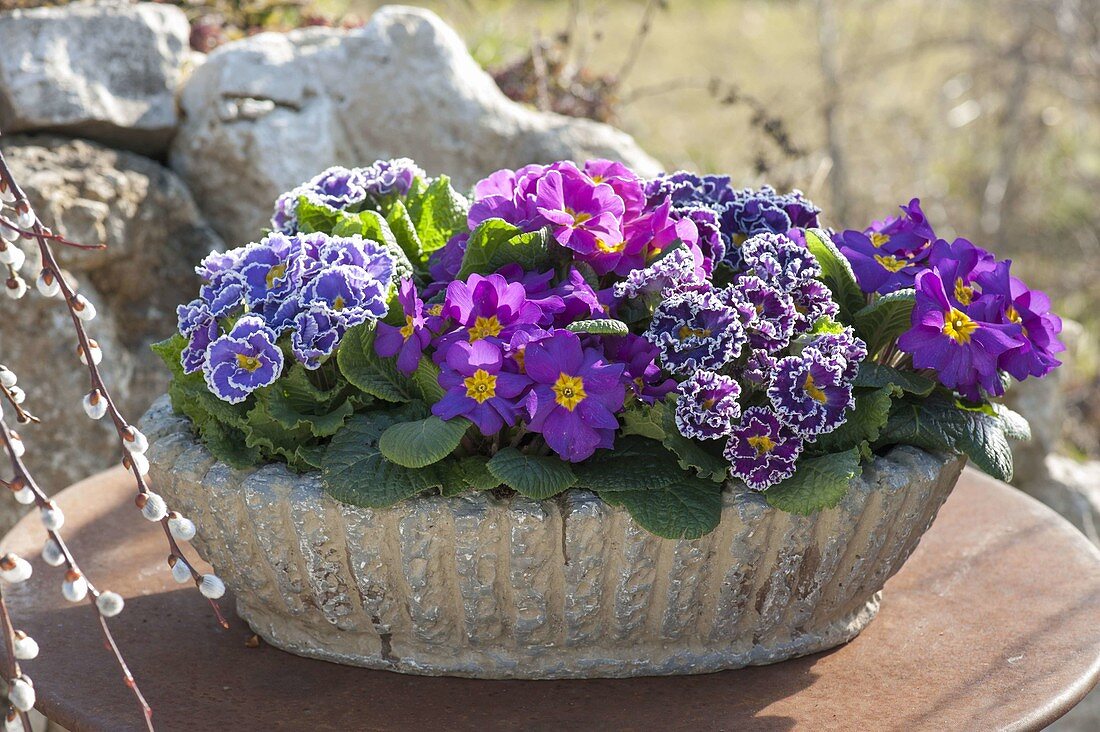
265,113
105,71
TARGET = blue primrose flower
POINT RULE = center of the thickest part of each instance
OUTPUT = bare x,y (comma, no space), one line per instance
243,360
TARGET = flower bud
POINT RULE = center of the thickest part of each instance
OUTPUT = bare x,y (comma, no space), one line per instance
17,446
21,694
211,587
83,308
97,353
181,573
136,461
14,568
24,495
26,648
47,283
151,504
52,554
13,256
95,404
75,587
24,215
52,517
110,604
15,287
134,441
183,529
17,395
7,377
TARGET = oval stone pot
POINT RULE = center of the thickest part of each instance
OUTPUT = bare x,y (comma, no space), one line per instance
566,588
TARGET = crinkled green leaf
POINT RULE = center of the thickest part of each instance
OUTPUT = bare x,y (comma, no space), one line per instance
1014,424
702,457
271,437
438,213
606,326
535,476
426,377
404,232
873,376
818,483
354,470
495,243
837,273
647,420
475,472
422,442
294,402
372,373
636,464
880,323
685,509
861,424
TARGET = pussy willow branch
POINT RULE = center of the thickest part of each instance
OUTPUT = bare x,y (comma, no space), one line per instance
122,427
13,672
23,479
8,224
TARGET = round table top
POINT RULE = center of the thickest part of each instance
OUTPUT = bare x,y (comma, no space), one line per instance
992,624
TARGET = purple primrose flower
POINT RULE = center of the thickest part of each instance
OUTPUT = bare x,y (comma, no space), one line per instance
697,329
809,392
707,407
408,341
762,450
243,360
478,388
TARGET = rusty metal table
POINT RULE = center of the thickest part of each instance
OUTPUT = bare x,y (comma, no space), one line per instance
994,623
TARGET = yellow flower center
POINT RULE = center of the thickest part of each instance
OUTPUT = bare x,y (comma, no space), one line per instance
878,239
338,303
606,248
578,218
597,179
275,273
484,327
762,444
407,328
890,264
248,363
569,391
709,403
687,332
964,293
520,357
958,327
436,309
813,389
1013,314
481,386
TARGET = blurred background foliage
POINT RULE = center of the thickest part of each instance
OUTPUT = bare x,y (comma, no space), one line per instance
988,110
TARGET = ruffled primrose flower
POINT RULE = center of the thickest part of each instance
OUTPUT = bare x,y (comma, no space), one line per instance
707,407
199,326
478,387
963,351
315,336
762,450
697,329
408,341
243,360
575,397
809,392
779,260
773,320
888,254
680,269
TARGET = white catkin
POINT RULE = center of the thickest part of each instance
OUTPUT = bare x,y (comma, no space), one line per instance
83,308
19,573
13,256
16,287
14,723
25,495
75,590
155,508
21,694
52,554
142,464
53,518
97,354
17,395
211,586
138,442
48,286
95,405
8,234
24,218
180,572
6,193
26,648
183,529
110,604
17,446
7,377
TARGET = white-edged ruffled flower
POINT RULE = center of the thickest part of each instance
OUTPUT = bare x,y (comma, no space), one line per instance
75,586
180,571
52,554
15,287
52,517
95,404
21,693
211,586
13,256
110,604
14,568
83,308
182,528
134,440
152,505
97,353
7,377
26,648
24,495
47,284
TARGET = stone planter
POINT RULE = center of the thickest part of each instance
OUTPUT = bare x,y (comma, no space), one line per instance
484,587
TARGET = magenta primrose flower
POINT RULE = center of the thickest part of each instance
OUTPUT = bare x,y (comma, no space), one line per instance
489,307
586,217
575,397
478,388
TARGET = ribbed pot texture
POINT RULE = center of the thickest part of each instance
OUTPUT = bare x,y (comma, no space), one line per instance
565,588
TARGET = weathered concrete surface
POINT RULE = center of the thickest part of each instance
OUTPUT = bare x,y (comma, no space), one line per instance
485,587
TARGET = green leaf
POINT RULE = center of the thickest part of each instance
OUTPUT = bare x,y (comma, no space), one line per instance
495,243
874,376
426,377
836,273
404,231
705,458
1013,424
228,445
354,470
535,476
818,483
939,423
880,323
370,372
605,326
636,464
293,401
861,424
169,351
475,472
438,213
423,442
311,455
266,433
647,420
685,509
